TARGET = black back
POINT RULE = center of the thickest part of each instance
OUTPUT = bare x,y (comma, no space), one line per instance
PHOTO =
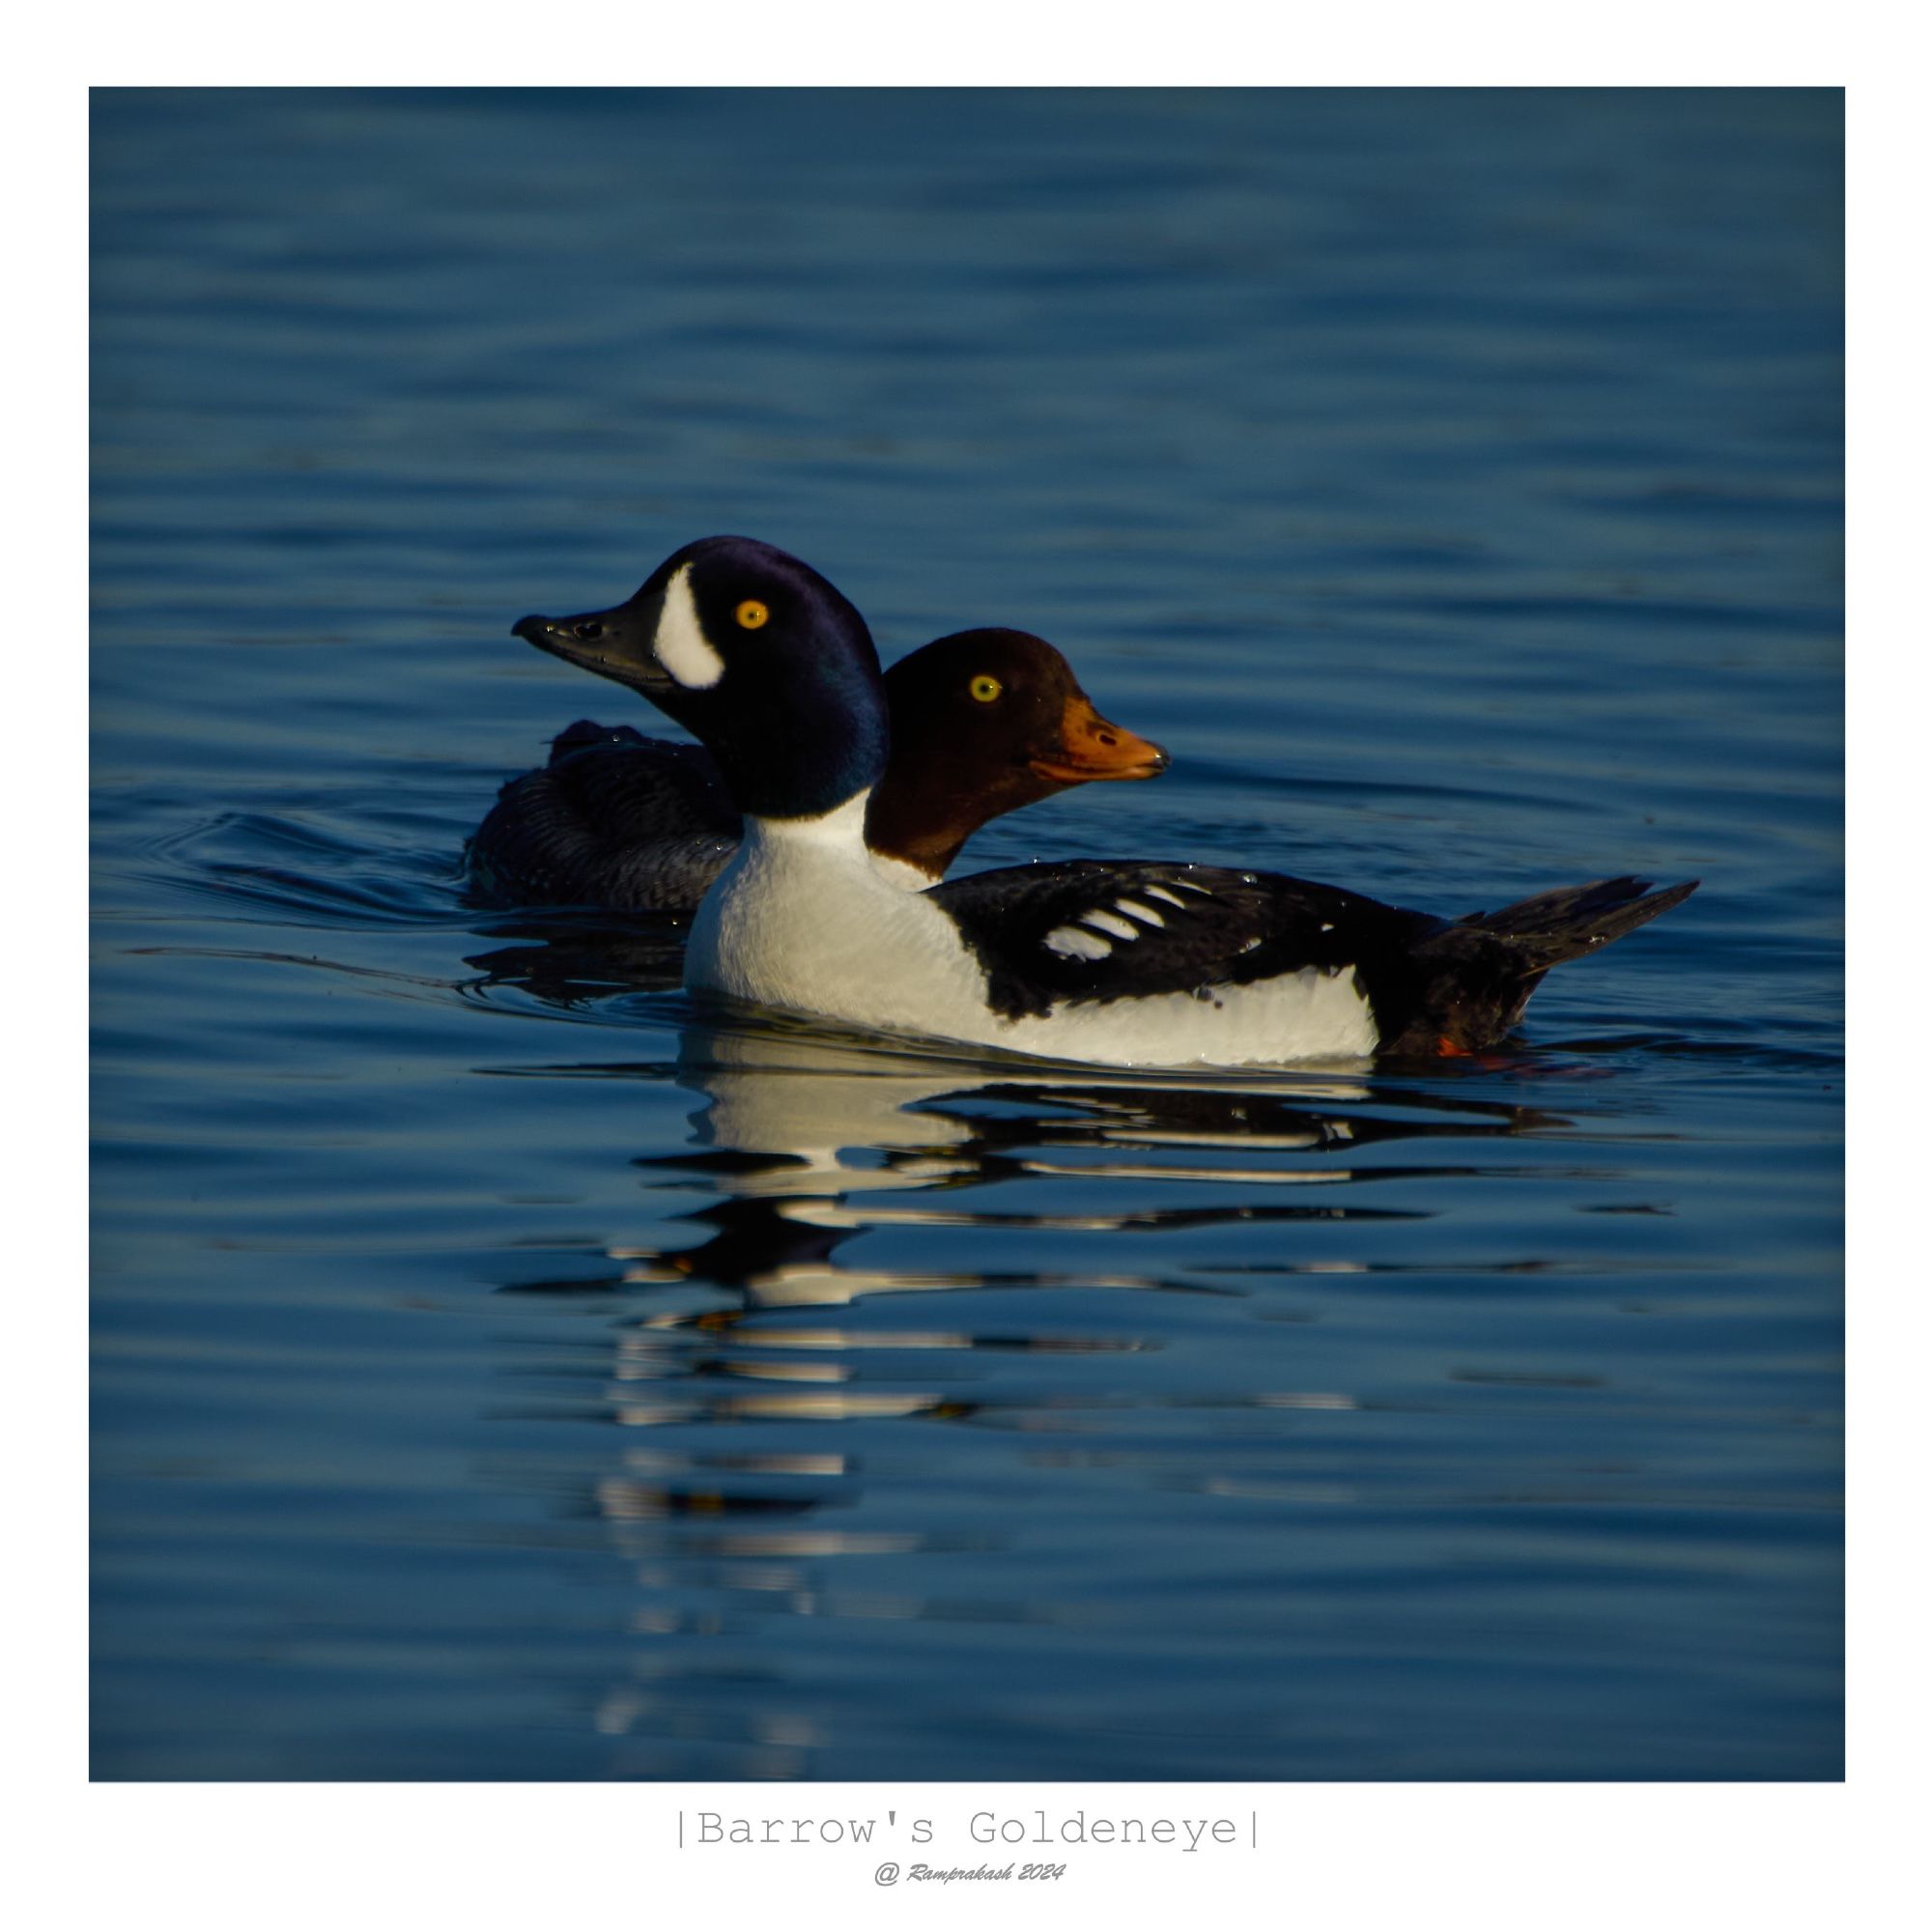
614,819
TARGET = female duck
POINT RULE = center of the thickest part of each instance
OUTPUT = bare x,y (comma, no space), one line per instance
982,722
1126,964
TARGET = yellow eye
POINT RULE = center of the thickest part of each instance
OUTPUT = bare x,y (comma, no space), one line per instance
984,689
751,616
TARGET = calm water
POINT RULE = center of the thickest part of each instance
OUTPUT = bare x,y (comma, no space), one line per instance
501,1372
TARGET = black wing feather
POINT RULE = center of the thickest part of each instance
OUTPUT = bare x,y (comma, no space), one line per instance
1228,928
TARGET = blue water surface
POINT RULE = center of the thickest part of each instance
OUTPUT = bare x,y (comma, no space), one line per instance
503,1370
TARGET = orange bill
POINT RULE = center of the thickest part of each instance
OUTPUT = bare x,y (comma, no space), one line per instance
1090,747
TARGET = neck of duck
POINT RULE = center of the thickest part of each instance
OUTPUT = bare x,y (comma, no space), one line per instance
846,834
824,837
912,838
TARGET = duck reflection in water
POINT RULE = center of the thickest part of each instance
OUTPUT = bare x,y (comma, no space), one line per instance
801,1133
767,1448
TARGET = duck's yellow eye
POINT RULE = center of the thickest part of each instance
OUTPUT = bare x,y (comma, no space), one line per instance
751,616
984,689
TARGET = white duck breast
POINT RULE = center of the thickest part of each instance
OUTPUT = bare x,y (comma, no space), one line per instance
802,920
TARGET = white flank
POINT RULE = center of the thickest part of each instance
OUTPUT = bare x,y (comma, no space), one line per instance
1107,922
1135,910
1162,893
681,646
1070,942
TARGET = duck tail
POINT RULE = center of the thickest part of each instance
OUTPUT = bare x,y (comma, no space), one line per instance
1553,928
1471,979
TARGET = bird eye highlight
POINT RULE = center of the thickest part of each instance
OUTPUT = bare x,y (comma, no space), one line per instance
985,689
751,616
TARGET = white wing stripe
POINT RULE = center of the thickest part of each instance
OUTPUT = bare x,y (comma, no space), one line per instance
1072,942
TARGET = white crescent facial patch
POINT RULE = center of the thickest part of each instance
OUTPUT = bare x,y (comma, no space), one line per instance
680,645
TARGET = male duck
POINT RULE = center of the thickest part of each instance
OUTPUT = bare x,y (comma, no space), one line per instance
1125,964
982,722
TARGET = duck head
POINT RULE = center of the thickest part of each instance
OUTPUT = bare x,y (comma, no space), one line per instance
983,723
758,656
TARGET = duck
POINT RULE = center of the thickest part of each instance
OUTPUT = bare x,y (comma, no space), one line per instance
982,722
1101,963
